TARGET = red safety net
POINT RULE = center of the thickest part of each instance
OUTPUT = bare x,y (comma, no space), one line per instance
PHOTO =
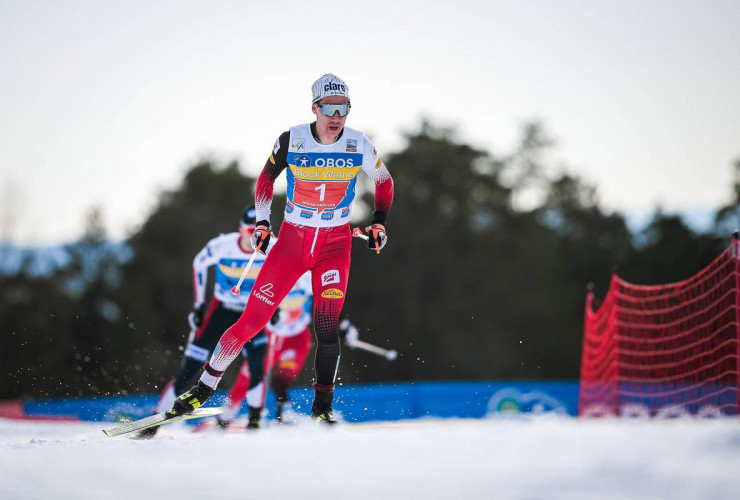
665,350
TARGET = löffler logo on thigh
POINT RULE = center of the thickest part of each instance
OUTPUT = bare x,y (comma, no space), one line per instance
264,293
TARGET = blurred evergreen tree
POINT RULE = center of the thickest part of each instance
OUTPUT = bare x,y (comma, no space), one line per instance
58,325
34,336
727,219
670,251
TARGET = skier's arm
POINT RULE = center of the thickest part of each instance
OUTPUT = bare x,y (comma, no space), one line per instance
207,257
377,171
276,163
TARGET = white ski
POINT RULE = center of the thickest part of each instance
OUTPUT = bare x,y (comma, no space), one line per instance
159,419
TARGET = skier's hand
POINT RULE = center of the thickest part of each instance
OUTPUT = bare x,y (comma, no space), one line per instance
376,237
349,332
195,318
261,236
353,335
275,317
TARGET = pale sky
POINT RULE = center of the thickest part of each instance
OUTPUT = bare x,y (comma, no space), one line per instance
108,103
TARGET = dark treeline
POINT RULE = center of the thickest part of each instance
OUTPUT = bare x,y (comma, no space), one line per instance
469,286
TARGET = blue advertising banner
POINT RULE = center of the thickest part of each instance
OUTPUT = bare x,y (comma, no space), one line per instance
357,403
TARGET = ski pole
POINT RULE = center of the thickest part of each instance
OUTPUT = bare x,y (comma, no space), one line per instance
357,233
389,354
236,290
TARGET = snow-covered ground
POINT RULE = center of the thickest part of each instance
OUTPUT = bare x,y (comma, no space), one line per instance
543,458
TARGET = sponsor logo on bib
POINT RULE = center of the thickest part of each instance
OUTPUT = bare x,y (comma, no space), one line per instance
302,160
334,162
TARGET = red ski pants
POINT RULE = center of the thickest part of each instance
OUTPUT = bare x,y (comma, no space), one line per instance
326,253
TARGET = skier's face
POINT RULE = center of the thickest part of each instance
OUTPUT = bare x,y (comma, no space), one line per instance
329,126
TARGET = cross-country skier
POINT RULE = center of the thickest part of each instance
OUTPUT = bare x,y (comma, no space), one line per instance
229,253
321,160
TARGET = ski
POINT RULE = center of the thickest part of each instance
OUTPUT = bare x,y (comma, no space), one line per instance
160,419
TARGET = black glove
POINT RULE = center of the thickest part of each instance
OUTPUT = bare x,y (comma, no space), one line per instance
195,318
261,237
275,317
376,237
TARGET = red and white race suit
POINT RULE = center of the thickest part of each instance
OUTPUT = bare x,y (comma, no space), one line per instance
315,237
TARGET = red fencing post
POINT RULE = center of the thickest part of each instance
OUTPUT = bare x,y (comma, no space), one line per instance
736,247
614,329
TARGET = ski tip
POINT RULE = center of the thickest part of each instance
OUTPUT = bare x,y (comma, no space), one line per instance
210,411
235,291
160,419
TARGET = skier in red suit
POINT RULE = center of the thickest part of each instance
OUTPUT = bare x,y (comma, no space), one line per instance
321,160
